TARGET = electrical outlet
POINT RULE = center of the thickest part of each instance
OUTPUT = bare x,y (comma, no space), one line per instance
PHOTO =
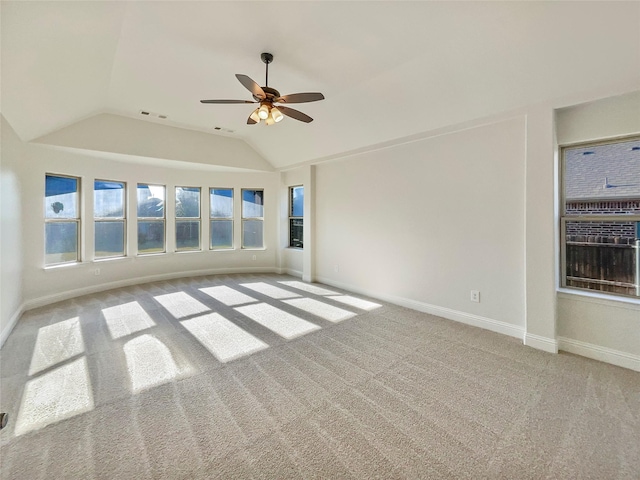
336,268
475,296
253,258
96,272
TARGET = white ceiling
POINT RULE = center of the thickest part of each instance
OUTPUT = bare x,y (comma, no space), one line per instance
388,69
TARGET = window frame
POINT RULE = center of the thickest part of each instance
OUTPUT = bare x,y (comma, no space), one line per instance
565,217
162,219
295,217
122,219
77,220
244,219
224,219
197,219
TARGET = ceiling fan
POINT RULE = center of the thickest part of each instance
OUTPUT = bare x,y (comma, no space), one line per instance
267,97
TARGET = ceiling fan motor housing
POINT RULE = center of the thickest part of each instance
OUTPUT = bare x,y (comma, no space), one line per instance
271,93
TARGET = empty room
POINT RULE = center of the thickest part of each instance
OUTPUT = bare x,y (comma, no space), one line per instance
320,239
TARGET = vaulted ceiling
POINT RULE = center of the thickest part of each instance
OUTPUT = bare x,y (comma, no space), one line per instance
387,69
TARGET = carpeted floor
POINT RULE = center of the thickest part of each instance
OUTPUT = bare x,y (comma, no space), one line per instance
261,376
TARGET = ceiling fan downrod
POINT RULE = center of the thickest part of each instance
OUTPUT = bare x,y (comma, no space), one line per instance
267,58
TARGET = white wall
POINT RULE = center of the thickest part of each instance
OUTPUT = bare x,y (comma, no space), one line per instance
45,285
127,136
10,230
588,324
426,222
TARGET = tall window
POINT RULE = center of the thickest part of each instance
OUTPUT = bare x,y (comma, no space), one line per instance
600,224
252,218
187,218
151,217
62,219
221,218
296,214
109,218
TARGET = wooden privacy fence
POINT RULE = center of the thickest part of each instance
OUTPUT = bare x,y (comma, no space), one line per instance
607,264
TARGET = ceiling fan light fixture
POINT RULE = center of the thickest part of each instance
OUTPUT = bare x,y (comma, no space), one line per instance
263,111
270,120
276,115
254,116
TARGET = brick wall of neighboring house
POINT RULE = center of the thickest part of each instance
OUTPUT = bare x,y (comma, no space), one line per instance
626,230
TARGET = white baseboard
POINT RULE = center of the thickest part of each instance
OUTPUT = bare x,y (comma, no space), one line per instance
539,342
603,354
12,323
293,273
60,296
448,313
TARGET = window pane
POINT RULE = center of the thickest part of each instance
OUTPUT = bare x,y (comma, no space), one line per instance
252,203
108,199
61,239
150,201
297,201
295,232
601,256
188,235
61,197
187,202
109,239
603,179
252,234
221,234
221,203
150,237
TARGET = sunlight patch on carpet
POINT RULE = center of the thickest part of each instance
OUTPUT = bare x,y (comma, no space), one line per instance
125,319
56,395
355,302
150,363
306,287
283,323
228,295
270,290
320,309
181,304
56,343
224,339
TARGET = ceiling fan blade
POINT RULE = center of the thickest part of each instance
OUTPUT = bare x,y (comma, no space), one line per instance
224,102
290,112
252,86
301,97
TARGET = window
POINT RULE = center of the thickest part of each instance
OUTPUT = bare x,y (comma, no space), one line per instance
62,219
187,218
252,218
296,214
109,218
600,221
150,219
221,218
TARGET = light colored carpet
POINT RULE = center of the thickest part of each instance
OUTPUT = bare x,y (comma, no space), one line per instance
260,376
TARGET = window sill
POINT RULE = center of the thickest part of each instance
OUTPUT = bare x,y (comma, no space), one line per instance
599,298
186,252
295,249
145,255
63,266
111,259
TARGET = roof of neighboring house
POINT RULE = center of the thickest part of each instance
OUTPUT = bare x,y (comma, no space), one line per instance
603,172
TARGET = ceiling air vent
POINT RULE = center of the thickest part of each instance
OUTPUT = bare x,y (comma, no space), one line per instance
151,114
224,130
